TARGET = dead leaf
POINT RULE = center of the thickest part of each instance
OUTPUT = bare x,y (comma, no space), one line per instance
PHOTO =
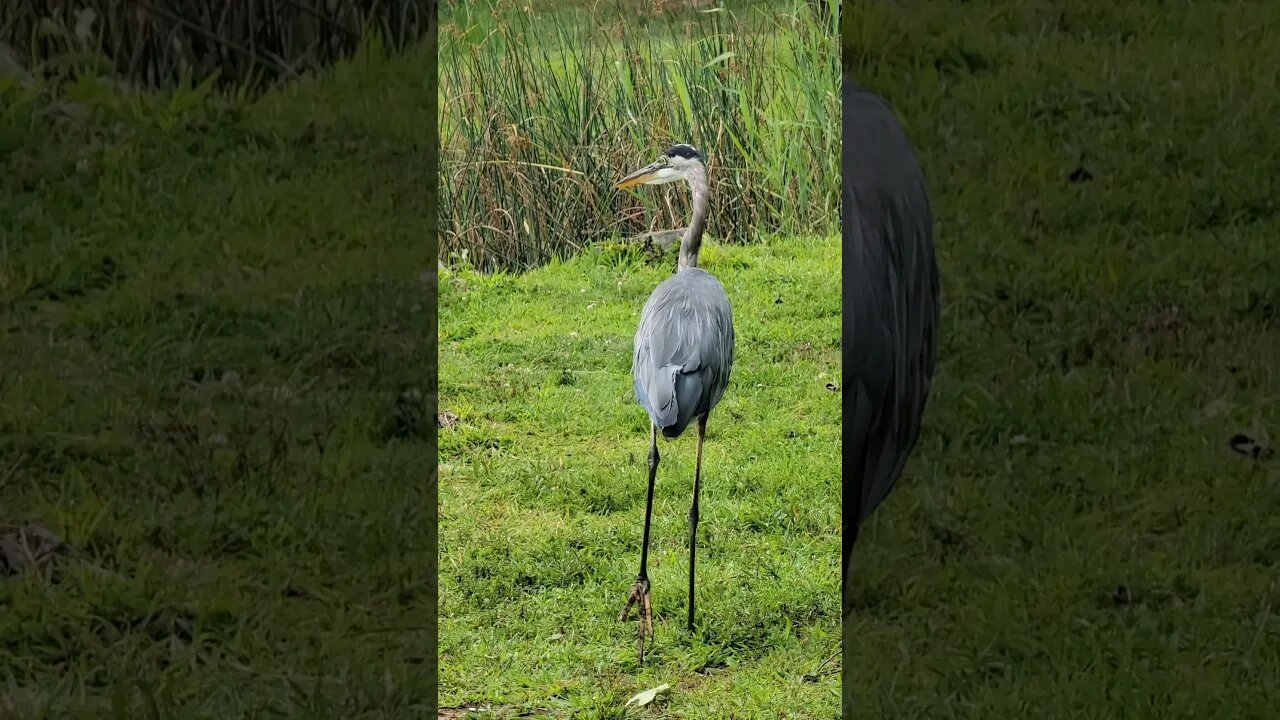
447,419
28,547
646,697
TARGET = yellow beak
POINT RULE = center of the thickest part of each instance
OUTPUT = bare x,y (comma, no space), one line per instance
638,177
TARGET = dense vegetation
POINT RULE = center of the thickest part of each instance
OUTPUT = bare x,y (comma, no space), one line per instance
542,111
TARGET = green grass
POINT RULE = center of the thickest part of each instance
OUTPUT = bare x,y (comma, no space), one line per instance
543,491
216,385
540,113
544,473
1101,342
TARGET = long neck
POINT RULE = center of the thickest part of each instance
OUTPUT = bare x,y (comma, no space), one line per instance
692,241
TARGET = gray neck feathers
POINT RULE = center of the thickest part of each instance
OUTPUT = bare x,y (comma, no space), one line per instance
692,241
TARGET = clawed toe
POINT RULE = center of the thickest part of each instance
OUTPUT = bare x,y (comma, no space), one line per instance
644,611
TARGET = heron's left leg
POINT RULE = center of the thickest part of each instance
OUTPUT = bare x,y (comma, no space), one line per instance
693,514
640,593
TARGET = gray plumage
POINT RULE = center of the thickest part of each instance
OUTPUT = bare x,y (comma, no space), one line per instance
684,344
890,318
683,350
683,357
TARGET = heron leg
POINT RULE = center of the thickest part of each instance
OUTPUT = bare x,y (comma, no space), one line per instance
693,514
640,592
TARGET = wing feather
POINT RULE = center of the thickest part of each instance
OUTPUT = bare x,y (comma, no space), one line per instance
683,350
892,305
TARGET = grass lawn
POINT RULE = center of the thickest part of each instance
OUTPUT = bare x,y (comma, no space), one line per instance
543,491
216,364
1074,538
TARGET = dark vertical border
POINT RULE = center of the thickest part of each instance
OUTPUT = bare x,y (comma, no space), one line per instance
848,495
432,332
890,312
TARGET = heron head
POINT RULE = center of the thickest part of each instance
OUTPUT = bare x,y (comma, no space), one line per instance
677,163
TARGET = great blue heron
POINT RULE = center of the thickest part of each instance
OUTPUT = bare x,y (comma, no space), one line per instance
890,318
683,356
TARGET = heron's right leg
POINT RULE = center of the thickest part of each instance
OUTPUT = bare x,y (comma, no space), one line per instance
640,593
693,514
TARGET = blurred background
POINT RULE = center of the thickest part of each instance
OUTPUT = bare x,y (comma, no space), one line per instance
160,43
217,359
1089,525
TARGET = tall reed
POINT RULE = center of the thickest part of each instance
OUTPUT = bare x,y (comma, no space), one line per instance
163,43
541,111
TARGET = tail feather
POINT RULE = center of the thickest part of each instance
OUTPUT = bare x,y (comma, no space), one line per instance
657,393
672,397
688,392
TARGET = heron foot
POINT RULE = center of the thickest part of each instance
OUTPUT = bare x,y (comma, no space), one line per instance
644,613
